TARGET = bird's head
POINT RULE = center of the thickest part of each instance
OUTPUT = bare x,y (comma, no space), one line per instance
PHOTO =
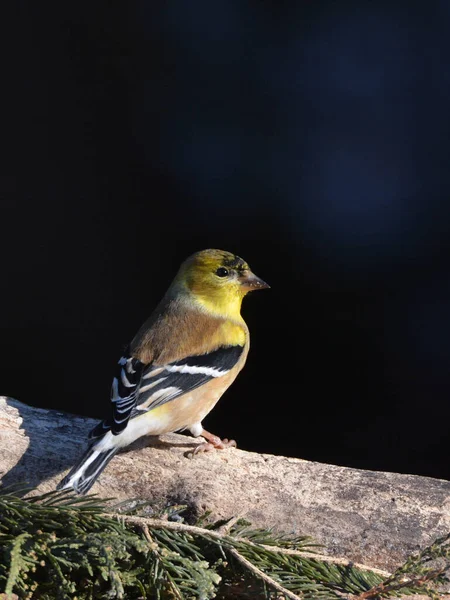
219,280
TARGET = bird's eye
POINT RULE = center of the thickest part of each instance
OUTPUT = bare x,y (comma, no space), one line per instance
222,272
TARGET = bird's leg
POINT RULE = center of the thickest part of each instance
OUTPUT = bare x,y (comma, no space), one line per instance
213,442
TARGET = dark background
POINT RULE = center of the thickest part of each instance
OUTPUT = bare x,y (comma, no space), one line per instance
311,138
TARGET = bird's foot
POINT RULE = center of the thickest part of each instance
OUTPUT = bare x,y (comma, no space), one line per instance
220,445
213,443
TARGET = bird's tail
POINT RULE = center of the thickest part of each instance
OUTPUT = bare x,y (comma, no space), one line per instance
84,474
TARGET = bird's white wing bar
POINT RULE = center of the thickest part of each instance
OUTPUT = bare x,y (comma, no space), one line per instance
194,370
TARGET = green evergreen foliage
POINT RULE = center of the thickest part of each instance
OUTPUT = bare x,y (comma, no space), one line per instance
59,546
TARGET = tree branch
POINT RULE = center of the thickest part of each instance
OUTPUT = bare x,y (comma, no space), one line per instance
224,537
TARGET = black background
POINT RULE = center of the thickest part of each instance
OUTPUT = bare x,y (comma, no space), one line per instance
311,138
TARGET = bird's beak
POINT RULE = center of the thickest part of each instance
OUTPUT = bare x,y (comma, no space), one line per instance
249,282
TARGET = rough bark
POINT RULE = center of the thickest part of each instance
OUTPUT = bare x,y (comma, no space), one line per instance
369,517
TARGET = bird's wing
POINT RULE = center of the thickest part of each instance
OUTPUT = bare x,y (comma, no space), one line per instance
160,384
138,388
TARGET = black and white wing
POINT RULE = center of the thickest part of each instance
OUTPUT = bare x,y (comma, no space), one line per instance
124,393
160,384
138,388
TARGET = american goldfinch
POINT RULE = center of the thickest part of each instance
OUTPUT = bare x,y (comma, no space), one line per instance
179,364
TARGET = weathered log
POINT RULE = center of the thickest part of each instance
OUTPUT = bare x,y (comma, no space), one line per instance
369,517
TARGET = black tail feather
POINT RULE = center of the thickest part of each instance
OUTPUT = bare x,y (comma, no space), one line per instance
84,474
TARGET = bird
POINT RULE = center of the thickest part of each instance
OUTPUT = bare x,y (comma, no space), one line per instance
179,363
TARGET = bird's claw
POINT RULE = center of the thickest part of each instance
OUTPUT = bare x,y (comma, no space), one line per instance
228,443
203,447
215,443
